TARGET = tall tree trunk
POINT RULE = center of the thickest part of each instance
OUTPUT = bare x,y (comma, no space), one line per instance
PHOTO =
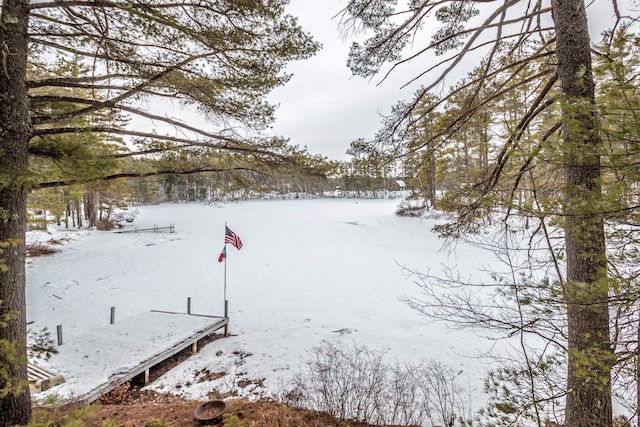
432,177
15,407
78,204
586,290
90,207
67,209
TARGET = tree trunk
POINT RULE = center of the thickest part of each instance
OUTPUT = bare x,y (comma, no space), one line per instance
15,407
78,204
90,208
432,177
67,210
586,290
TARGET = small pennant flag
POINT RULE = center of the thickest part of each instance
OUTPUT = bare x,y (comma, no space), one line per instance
232,238
222,255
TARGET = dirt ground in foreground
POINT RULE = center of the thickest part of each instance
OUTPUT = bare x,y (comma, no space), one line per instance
239,413
155,410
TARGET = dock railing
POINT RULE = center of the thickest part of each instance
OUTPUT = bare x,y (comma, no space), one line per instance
155,229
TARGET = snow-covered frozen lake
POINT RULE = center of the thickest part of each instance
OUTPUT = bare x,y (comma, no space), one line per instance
310,270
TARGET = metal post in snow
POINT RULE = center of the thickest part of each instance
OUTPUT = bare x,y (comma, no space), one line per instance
59,331
226,314
188,305
113,316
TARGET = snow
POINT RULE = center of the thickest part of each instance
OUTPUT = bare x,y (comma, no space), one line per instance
309,271
93,359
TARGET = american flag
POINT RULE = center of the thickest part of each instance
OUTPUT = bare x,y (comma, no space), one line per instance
231,237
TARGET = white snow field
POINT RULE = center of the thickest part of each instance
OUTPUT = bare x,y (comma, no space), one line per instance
309,270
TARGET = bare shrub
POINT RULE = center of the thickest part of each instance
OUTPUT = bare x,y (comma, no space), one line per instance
105,225
412,209
438,384
405,402
341,381
621,421
60,241
40,249
121,394
354,382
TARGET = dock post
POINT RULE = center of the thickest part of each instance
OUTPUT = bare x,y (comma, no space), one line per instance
59,330
113,316
188,305
194,347
146,377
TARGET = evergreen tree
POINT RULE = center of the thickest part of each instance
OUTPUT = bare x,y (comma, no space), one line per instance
555,71
221,58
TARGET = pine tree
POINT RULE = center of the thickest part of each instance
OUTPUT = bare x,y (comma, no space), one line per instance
222,58
555,71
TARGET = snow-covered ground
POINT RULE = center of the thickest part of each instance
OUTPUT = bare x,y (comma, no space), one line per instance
310,270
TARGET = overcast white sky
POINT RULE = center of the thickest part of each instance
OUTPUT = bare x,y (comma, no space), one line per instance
324,108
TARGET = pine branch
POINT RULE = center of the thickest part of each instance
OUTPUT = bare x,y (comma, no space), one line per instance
113,103
227,143
75,81
122,60
173,122
72,181
464,116
441,42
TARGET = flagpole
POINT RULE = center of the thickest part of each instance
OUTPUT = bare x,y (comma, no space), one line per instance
226,303
225,270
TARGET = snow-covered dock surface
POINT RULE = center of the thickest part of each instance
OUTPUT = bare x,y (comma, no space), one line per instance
95,361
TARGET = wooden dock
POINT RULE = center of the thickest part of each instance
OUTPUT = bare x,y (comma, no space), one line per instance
94,363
